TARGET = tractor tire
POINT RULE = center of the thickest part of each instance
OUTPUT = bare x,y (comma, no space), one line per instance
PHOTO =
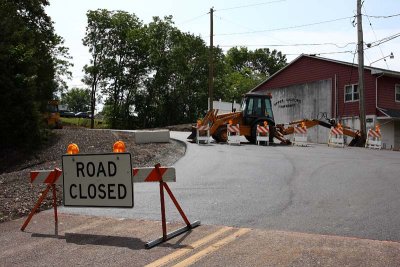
221,135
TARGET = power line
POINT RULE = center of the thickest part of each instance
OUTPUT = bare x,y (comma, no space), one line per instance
192,19
250,5
384,40
289,45
381,17
376,38
285,28
324,53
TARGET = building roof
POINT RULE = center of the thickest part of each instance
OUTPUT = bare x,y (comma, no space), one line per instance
374,71
389,113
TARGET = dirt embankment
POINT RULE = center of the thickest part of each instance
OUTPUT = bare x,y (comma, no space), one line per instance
18,196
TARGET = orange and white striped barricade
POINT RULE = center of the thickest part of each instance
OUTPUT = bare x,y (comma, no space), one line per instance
299,136
162,175
51,178
262,134
202,134
336,138
374,139
233,132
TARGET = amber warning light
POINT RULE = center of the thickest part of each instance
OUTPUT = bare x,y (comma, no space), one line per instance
119,147
72,149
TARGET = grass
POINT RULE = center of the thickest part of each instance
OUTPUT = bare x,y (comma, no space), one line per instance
83,122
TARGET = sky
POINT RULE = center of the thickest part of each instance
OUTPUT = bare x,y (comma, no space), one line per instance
321,27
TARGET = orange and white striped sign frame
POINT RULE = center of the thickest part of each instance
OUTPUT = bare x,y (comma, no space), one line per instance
336,131
263,130
300,130
233,128
150,174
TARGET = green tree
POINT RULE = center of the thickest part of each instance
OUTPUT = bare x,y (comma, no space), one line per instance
32,59
117,42
245,69
96,40
177,88
77,99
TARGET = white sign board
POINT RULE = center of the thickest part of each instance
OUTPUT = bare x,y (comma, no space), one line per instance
98,180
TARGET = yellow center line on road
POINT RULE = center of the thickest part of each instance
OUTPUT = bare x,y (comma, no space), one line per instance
214,247
179,253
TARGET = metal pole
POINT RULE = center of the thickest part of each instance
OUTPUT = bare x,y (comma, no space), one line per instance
53,186
363,128
211,61
163,220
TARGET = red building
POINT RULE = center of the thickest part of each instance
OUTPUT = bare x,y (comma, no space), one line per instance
311,87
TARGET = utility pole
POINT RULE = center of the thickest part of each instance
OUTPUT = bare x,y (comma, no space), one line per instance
361,90
211,61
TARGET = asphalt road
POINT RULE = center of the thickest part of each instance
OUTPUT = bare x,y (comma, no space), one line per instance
351,192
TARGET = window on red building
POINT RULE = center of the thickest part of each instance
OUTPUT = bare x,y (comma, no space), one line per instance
397,93
351,93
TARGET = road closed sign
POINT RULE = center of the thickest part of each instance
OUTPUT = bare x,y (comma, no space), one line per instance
98,180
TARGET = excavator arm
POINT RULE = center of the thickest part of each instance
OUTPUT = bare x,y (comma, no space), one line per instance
289,129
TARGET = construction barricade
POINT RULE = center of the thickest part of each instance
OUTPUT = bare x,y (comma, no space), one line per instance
202,134
108,169
374,138
300,136
262,133
233,133
336,138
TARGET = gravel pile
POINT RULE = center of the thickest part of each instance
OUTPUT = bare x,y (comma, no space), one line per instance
18,196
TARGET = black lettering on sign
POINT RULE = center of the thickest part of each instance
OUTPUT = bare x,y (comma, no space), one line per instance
101,169
112,169
70,191
111,190
90,169
102,193
79,169
93,170
121,187
92,191
80,193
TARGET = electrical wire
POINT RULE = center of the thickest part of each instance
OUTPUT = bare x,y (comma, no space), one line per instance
381,17
250,5
285,28
192,19
376,38
324,53
292,45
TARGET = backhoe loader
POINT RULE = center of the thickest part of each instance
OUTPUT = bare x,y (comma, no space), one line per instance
255,110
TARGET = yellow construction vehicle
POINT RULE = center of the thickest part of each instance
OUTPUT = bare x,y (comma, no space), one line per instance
52,115
256,109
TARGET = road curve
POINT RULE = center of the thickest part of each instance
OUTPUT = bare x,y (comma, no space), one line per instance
350,192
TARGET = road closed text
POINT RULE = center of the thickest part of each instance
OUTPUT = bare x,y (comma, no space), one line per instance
103,180
102,191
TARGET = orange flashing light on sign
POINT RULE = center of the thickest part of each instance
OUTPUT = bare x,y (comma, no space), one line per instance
72,149
230,122
119,147
377,128
265,123
303,125
199,122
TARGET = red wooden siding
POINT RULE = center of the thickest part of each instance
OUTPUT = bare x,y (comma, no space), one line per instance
386,91
308,69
